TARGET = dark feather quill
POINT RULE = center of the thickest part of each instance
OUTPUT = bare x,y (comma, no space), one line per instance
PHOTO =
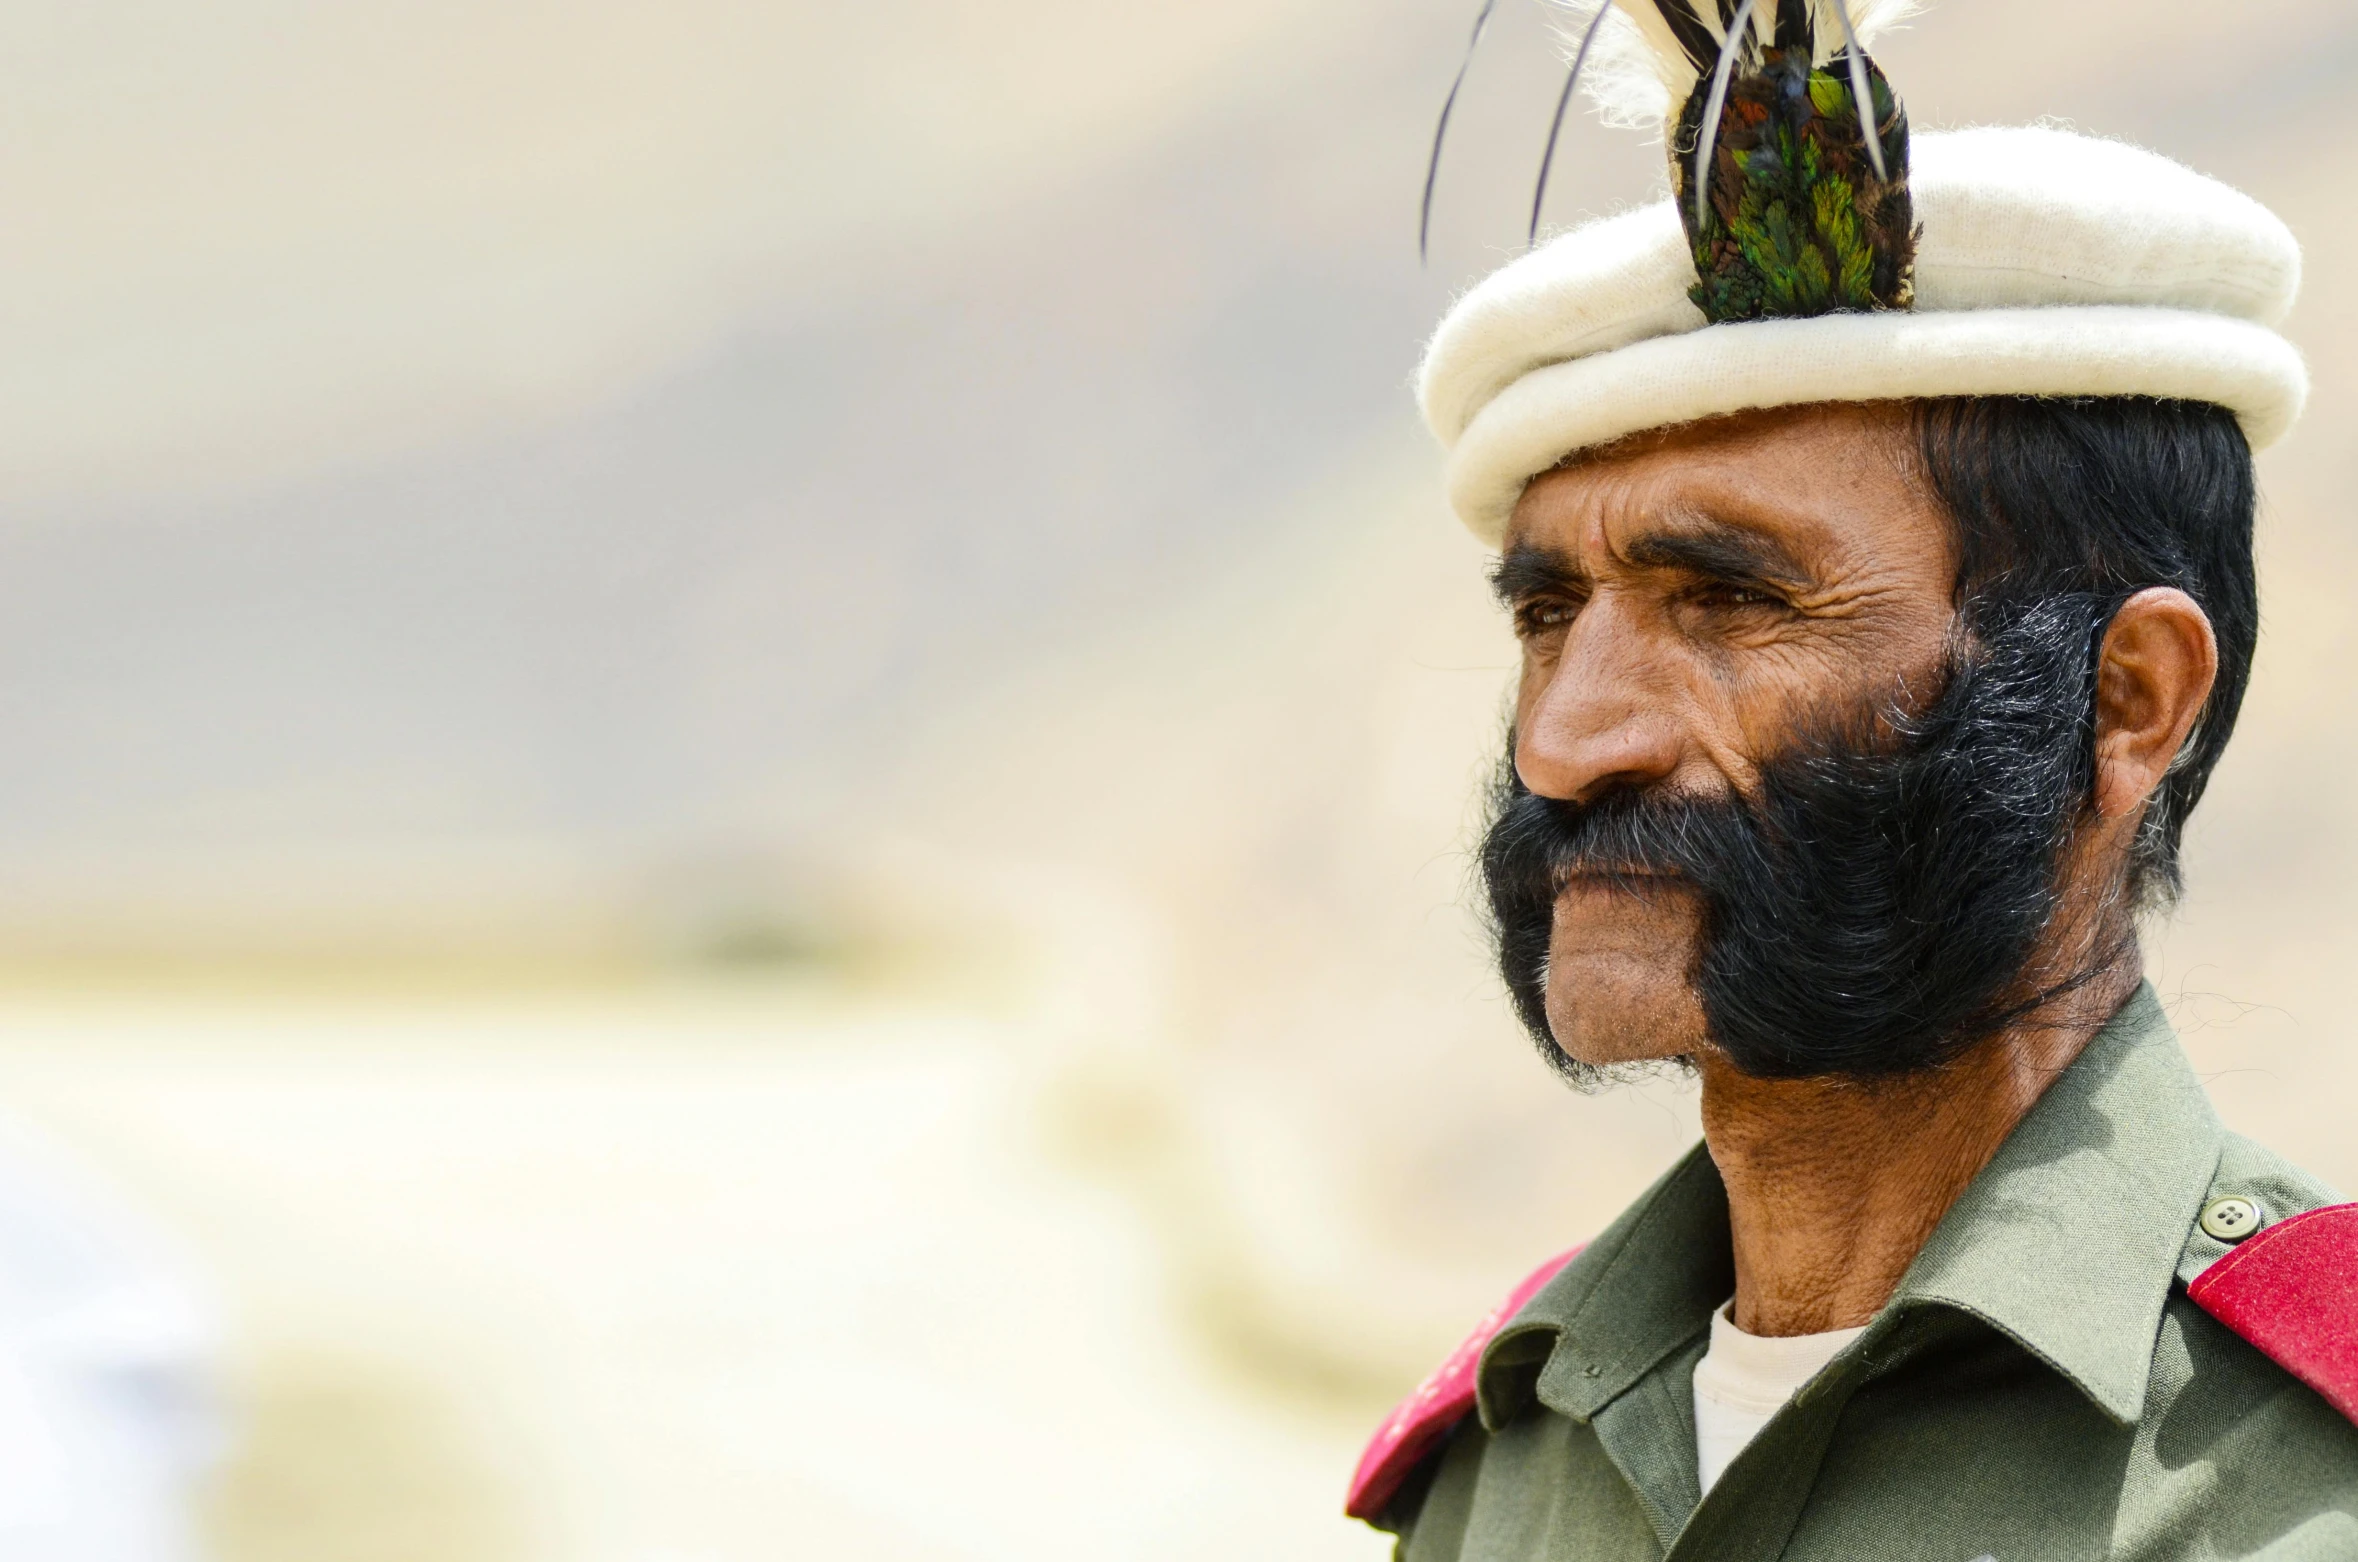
1794,26
1687,26
1424,219
1547,159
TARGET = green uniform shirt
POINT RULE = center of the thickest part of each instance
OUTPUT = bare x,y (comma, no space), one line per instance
2038,1387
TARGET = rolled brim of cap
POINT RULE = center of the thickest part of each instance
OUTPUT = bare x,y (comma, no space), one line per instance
2047,264
2102,350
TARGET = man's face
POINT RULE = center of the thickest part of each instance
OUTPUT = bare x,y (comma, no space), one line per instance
1686,605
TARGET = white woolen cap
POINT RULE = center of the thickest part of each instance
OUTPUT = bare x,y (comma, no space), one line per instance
2050,264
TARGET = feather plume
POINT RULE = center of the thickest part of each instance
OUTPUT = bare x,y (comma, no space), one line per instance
1788,149
1650,54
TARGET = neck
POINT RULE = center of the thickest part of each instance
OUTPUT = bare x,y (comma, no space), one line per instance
1835,1184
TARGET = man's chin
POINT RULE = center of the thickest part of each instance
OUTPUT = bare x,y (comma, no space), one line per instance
1617,975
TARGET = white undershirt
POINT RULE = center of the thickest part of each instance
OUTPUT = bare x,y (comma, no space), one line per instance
1744,1379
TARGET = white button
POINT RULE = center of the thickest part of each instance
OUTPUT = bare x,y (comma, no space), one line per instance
2230,1219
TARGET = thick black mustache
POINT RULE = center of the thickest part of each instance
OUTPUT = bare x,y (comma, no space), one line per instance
1871,907
1631,835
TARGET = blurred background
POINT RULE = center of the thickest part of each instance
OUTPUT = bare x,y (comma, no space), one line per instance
740,743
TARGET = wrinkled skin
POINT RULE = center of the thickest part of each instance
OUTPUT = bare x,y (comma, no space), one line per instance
1683,601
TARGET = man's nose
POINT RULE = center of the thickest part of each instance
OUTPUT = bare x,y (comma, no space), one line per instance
1599,721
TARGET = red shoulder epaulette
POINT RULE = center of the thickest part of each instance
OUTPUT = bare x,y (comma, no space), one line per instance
1439,1403
2292,1290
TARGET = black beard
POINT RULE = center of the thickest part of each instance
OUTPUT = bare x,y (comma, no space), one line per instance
1872,907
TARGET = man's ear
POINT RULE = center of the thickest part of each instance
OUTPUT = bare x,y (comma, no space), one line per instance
2155,671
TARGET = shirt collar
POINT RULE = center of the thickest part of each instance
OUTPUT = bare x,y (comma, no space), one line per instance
1642,1289
2069,1239
2067,1242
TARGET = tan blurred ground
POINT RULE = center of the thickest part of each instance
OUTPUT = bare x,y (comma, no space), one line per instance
745,736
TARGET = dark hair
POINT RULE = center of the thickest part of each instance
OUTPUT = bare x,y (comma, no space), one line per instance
2106,496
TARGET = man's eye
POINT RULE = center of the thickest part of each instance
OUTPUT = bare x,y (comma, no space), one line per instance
1544,616
1738,596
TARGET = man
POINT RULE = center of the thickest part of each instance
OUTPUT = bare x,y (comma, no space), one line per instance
1876,523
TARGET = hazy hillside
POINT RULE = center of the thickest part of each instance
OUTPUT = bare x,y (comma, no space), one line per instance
538,655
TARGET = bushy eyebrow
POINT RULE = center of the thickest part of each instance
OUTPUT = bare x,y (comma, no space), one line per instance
1716,551
1712,550
1526,570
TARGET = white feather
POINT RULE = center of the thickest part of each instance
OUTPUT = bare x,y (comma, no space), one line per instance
1637,74
1871,19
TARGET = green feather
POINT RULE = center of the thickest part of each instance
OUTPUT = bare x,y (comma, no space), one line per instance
1795,222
